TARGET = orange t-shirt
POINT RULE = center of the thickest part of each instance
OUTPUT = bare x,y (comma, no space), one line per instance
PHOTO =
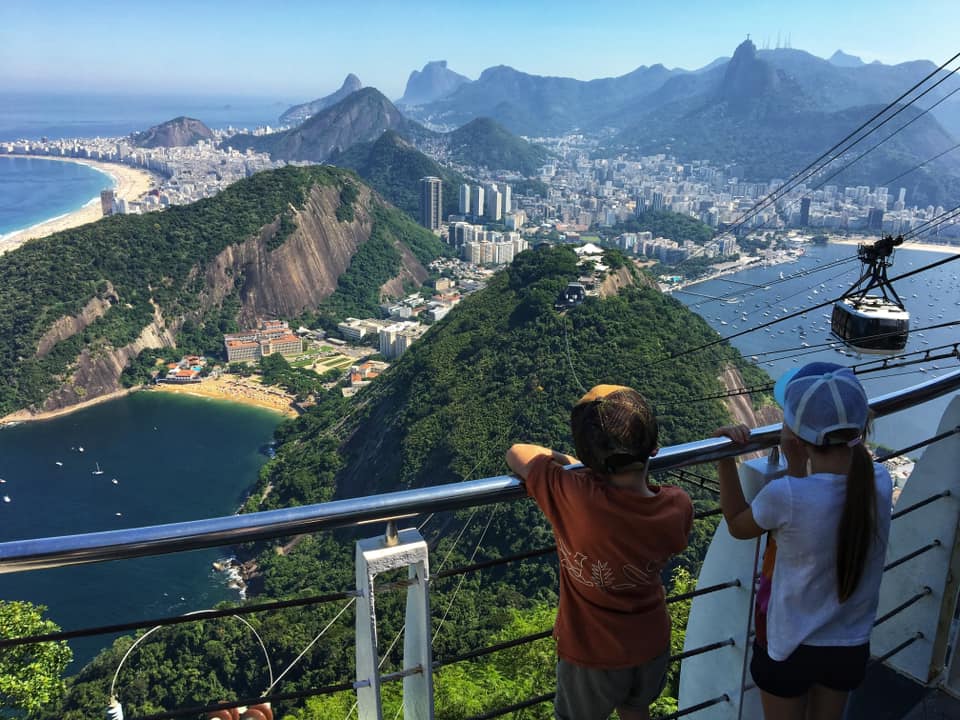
612,544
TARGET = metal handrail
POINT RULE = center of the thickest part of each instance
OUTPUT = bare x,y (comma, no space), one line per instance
40,553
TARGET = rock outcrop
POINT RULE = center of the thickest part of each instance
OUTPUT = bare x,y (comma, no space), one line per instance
179,132
300,113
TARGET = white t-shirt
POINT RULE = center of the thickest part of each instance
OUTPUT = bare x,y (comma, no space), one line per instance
804,514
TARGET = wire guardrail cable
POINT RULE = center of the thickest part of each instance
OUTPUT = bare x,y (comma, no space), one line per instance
903,606
902,646
910,556
918,505
176,619
916,446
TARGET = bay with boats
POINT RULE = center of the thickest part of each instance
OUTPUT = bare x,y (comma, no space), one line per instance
143,459
759,294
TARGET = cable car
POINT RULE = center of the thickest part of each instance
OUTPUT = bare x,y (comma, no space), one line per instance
876,323
572,295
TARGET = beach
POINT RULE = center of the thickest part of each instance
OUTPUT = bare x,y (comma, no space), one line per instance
248,391
130,184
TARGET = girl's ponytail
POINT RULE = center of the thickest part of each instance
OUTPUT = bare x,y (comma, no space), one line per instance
858,523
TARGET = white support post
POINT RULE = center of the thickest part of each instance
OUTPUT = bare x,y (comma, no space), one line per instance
726,614
374,556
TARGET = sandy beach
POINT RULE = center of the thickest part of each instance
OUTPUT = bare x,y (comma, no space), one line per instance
248,391
129,183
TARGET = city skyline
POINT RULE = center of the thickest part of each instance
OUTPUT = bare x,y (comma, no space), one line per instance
306,49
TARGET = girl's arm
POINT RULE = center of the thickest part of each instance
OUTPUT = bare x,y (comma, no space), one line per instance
736,509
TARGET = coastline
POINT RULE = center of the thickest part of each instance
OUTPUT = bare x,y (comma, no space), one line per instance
129,184
245,391
26,416
242,391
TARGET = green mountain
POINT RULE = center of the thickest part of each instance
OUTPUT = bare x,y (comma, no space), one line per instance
360,117
496,370
393,167
277,244
484,143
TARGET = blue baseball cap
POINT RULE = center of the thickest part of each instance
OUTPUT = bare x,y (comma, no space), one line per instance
819,398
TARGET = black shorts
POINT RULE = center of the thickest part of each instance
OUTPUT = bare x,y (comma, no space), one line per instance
837,667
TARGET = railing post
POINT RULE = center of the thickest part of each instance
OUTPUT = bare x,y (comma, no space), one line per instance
405,549
726,614
935,472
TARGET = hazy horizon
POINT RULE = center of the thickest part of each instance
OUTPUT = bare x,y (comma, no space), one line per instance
304,50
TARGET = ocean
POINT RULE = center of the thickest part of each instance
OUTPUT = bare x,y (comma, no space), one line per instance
173,457
931,297
32,116
33,191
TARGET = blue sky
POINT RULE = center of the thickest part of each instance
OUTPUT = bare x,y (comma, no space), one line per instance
295,50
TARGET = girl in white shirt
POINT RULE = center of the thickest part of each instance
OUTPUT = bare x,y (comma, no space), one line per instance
829,518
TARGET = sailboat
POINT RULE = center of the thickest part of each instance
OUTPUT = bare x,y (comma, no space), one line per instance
98,471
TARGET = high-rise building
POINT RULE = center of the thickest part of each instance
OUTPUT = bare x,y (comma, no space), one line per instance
464,205
107,200
507,201
431,202
804,212
476,200
494,204
875,220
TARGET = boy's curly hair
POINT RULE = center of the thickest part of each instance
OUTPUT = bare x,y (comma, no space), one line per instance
613,427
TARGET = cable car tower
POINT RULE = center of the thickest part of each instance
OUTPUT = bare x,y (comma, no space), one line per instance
875,323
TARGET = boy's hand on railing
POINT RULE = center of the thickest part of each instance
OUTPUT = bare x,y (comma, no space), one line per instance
740,434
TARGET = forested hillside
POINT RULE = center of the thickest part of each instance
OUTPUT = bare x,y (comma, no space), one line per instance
495,371
81,295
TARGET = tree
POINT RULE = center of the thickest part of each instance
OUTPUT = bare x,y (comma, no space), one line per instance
31,676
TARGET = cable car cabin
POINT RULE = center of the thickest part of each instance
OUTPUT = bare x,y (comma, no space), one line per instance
571,296
871,324
877,323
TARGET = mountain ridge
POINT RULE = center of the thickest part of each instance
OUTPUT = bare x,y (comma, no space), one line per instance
300,113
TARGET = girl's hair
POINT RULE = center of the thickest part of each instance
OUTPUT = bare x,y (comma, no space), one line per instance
858,522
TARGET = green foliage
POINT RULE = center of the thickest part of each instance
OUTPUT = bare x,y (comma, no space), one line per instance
299,382
31,676
668,224
484,143
530,187
142,368
393,168
348,196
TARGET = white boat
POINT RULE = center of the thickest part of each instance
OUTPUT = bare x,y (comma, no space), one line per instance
6,498
59,464
98,471
80,448
115,481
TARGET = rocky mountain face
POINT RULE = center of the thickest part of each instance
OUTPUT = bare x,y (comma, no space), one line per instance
360,117
300,113
434,82
291,264
179,132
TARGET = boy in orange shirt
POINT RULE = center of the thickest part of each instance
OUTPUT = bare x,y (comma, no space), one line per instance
615,533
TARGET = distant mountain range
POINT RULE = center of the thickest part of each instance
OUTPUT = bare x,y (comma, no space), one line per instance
770,112
300,113
364,115
434,82
360,117
179,132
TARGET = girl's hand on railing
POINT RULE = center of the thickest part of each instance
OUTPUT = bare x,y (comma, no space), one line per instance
740,434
